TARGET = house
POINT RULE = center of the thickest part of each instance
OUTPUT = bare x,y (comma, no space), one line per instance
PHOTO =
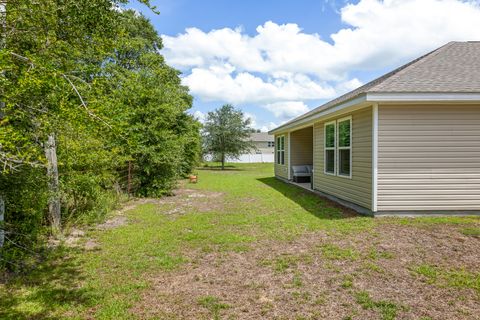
264,144
407,142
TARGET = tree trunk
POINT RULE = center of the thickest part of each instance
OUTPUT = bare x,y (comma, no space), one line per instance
2,223
3,18
223,161
3,40
52,174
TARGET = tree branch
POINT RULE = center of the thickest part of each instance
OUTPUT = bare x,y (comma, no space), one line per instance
83,103
13,163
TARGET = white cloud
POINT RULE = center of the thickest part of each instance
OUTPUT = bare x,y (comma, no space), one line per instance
219,83
280,63
200,116
287,109
380,33
269,126
349,85
252,117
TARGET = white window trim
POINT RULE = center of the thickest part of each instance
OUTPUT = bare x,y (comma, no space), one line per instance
330,148
349,176
277,150
336,148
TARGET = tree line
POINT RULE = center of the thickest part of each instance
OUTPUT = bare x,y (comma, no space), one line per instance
87,102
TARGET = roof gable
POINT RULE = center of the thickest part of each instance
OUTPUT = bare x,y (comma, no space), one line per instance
452,68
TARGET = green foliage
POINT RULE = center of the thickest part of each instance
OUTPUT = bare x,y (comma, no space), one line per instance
454,278
333,252
387,309
25,200
330,135
344,133
213,304
92,75
226,133
472,232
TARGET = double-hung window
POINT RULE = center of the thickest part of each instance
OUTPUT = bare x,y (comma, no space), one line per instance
344,149
330,137
338,147
280,150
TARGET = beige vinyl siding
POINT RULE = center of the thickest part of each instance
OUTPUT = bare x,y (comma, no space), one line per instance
282,170
301,144
358,189
429,157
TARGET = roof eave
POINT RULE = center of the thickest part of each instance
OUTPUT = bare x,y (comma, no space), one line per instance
423,96
376,97
321,113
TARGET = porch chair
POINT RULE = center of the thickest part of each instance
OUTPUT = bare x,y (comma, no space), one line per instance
303,171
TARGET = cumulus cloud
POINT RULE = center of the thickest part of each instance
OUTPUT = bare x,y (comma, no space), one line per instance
269,126
379,33
282,63
252,117
221,84
200,116
287,109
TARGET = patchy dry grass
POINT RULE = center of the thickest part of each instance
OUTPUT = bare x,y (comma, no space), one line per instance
242,245
453,278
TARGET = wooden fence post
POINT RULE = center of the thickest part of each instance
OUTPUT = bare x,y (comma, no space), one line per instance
2,222
52,174
3,18
129,187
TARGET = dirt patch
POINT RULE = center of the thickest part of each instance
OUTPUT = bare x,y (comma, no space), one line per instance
188,200
114,222
91,245
75,236
323,276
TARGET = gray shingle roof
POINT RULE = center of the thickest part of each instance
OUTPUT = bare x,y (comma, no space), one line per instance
261,136
454,67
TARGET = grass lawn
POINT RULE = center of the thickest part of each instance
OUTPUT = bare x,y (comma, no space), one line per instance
242,245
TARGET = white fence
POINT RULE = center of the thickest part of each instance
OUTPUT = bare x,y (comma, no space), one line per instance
250,158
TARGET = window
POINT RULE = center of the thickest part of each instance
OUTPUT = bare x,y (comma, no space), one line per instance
344,146
281,150
271,144
338,147
330,148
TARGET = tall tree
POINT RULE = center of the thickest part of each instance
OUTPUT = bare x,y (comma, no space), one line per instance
226,133
85,88
162,140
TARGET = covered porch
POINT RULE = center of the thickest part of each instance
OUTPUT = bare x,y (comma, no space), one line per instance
301,157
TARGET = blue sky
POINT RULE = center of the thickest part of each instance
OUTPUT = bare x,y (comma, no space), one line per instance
278,59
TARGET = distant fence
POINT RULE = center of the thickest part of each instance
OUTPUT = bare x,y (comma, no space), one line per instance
249,158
